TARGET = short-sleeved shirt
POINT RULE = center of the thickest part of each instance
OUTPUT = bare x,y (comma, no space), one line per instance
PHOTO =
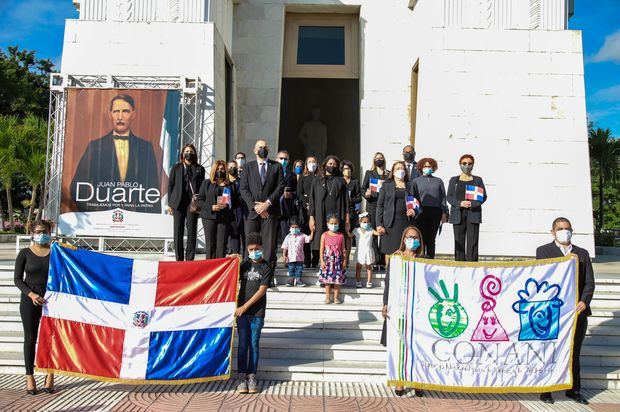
294,245
253,275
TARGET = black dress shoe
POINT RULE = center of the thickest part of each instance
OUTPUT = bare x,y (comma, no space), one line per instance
399,392
49,390
31,391
576,396
419,393
547,398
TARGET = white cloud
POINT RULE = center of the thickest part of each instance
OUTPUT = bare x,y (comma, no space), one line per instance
609,94
610,52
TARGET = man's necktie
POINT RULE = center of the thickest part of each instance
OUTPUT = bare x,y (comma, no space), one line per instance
263,173
409,170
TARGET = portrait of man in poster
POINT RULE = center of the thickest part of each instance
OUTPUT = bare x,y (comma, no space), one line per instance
119,169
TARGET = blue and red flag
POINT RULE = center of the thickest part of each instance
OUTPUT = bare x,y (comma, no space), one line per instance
375,185
474,193
121,319
226,198
413,204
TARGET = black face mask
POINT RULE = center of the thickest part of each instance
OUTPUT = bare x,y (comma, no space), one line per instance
232,171
220,174
188,156
332,170
409,156
263,153
379,162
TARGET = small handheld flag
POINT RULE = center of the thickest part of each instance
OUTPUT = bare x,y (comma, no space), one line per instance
474,193
375,185
225,198
413,204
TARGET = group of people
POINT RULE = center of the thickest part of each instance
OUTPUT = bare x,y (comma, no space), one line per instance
315,211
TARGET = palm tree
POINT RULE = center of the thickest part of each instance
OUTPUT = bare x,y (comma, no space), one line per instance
605,156
9,128
31,157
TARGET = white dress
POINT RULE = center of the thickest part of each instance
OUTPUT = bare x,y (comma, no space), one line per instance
364,255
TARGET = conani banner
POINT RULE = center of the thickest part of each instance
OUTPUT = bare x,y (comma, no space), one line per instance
481,327
119,147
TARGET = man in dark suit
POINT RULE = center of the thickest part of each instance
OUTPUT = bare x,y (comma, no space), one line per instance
119,169
262,184
410,163
562,232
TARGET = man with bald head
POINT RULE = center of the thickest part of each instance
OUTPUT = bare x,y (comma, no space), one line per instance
262,184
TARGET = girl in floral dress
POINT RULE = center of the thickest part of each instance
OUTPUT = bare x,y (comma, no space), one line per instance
333,260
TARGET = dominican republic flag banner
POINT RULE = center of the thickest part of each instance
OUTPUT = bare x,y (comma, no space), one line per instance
412,203
136,321
474,193
375,185
492,327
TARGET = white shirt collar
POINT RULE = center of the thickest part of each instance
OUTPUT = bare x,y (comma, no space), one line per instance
566,249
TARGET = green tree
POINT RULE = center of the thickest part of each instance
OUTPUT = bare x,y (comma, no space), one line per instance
10,133
24,83
605,158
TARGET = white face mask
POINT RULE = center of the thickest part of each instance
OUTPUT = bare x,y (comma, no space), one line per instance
564,236
240,162
311,167
399,174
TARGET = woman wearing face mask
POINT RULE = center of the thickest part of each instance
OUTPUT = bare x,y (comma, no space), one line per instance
184,182
304,186
433,199
355,198
370,192
393,214
34,262
328,197
236,240
218,198
411,246
466,194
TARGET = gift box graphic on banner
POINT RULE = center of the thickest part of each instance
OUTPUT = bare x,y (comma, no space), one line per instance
539,311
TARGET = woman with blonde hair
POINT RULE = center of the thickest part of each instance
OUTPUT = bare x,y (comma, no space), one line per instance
371,187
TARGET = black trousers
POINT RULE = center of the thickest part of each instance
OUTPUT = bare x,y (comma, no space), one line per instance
216,237
428,223
183,218
466,239
236,240
31,317
268,229
580,334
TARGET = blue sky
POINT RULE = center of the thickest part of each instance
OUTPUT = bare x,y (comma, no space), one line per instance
39,25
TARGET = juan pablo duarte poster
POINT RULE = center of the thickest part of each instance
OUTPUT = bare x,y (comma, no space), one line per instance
481,327
119,147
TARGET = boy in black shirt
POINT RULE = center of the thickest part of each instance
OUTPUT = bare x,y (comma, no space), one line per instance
252,300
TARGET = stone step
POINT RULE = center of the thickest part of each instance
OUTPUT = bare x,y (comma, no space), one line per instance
307,311
592,355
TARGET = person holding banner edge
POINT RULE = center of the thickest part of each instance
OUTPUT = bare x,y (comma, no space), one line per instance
466,194
411,246
217,199
562,232
184,182
34,262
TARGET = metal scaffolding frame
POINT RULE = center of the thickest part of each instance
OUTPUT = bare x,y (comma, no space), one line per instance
197,118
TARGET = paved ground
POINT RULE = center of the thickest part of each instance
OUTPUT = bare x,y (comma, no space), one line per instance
75,394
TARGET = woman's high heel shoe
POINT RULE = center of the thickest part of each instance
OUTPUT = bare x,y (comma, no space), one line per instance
48,389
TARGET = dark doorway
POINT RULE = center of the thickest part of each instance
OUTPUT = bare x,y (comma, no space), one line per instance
338,103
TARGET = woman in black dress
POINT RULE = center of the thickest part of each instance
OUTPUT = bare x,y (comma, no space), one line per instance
328,196
393,215
411,246
236,240
34,262
184,182
304,186
218,198
466,210
377,171
355,198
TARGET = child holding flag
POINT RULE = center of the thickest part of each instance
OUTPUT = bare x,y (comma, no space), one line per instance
217,199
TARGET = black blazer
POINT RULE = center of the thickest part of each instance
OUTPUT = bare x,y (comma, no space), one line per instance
475,211
207,197
252,190
99,164
176,183
585,283
355,193
386,205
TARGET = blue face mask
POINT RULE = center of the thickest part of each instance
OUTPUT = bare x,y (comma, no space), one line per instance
295,230
333,227
284,163
42,238
427,171
256,255
366,226
298,170
412,244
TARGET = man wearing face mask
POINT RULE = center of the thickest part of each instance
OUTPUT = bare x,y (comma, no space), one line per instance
287,200
562,232
240,158
411,166
262,184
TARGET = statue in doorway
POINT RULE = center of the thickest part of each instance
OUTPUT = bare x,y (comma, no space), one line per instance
313,136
